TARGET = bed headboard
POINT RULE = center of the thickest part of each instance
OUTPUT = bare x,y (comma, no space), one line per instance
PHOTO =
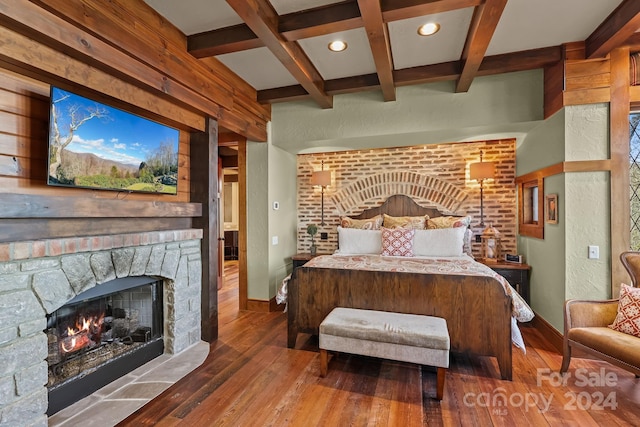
399,205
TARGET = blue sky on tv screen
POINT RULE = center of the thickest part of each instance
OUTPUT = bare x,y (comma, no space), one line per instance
121,136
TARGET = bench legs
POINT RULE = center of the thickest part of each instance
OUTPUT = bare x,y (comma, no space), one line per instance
324,366
440,383
324,361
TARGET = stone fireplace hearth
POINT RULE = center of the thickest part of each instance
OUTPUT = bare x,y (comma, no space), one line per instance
38,277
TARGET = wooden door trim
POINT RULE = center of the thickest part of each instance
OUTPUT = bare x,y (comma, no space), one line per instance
242,225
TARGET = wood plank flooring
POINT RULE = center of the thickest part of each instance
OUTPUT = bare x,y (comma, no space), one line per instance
251,378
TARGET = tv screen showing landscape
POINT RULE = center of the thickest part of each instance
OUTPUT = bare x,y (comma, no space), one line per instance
93,145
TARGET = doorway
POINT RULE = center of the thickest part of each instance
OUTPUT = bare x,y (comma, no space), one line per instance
232,154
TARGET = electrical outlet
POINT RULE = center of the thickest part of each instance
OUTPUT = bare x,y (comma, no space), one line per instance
324,236
274,240
594,252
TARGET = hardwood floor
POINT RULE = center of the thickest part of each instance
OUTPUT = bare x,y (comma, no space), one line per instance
251,378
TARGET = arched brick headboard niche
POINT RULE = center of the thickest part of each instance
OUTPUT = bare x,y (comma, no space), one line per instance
373,190
434,176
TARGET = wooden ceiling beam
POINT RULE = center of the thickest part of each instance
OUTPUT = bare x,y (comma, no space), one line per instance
262,18
614,31
283,94
520,61
395,10
352,84
633,43
428,73
229,139
378,36
321,20
225,40
315,22
446,71
483,25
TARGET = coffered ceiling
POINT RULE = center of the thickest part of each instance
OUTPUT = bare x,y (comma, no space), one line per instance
280,47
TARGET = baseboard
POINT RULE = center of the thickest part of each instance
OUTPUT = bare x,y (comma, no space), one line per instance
264,306
548,331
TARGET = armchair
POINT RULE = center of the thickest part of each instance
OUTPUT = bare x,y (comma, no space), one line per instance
586,327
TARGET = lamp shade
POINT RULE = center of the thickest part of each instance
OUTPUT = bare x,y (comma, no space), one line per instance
482,170
322,178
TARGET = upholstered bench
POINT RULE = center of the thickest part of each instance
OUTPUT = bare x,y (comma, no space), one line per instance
403,337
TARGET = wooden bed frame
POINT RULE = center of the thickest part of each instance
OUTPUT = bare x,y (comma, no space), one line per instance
477,310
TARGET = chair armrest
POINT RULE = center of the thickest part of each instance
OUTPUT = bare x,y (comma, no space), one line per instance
583,313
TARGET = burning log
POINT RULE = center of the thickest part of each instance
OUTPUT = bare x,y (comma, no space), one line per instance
75,342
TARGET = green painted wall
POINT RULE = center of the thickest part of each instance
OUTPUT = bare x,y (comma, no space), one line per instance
544,146
282,222
272,179
561,268
258,240
506,106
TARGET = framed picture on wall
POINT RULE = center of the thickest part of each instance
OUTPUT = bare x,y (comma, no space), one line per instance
551,208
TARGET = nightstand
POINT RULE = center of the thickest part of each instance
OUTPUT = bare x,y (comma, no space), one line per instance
302,258
516,274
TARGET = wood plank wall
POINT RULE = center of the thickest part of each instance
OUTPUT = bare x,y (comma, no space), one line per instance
30,209
578,81
123,53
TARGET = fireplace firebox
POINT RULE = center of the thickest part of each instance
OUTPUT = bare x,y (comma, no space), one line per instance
101,335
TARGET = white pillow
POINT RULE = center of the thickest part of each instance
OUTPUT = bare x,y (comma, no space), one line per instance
444,242
354,241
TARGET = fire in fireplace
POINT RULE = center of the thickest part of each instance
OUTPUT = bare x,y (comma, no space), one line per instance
101,335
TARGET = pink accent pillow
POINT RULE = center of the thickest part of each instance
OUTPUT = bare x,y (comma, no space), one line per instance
397,241
628,317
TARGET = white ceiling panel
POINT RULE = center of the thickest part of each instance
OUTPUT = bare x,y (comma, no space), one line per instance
258,67
355,60
527,24
411,49
196,16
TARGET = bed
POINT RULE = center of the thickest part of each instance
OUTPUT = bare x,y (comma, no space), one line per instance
479,305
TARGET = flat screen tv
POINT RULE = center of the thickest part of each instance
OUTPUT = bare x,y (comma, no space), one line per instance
96,146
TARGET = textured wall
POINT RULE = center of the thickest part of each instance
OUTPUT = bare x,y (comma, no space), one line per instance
495,107
282,189
257,221
587,204
544,146
447,162
560,265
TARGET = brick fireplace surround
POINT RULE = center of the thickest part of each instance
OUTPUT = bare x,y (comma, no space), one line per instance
38,277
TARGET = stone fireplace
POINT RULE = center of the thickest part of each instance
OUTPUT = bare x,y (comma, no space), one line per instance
39,277
101,335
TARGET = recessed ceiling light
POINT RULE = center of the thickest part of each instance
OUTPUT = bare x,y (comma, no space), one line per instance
337,46
428,29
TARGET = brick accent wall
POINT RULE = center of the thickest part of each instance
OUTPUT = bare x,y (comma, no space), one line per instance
434,175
